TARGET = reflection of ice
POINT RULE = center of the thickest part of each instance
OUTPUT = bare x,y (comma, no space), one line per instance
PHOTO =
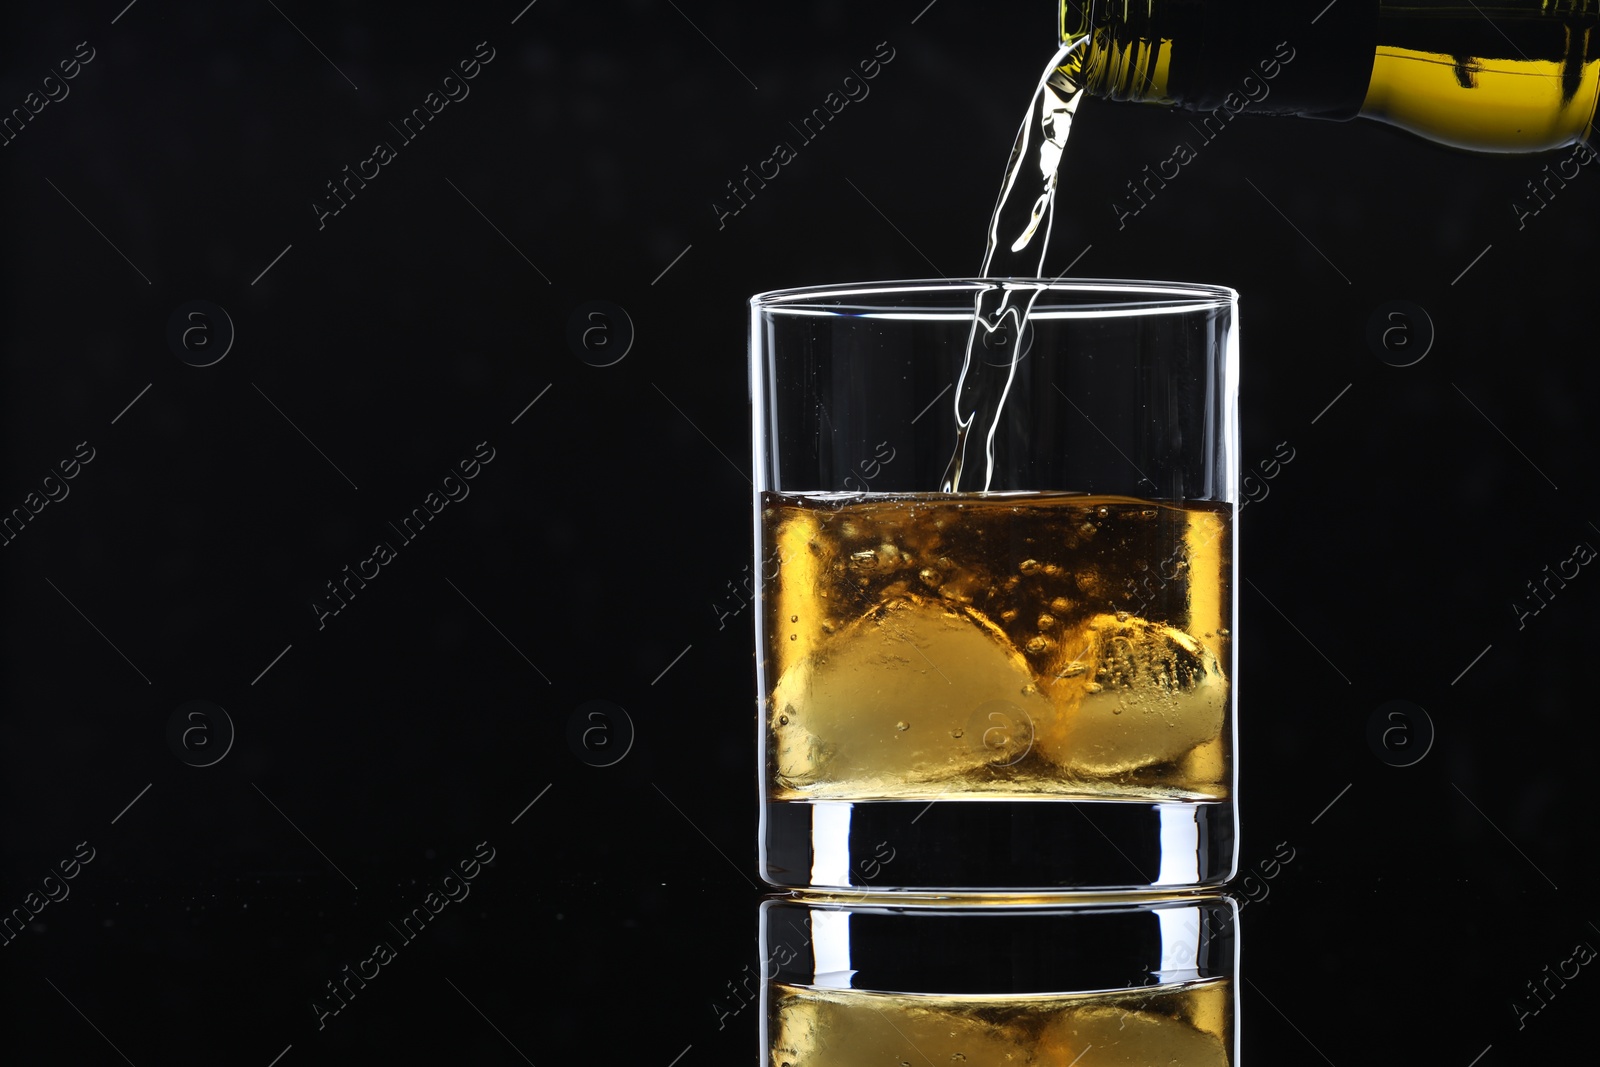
1184,1024
1083,1001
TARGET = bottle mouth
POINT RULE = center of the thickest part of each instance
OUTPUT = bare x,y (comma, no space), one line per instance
1126,58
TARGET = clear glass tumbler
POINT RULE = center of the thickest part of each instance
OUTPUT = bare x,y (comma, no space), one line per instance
1025,685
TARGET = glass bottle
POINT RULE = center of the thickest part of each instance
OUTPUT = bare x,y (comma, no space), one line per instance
1496,76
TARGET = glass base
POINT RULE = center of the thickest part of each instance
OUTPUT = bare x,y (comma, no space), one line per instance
997,846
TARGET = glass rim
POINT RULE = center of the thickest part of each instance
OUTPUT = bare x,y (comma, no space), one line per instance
1159,294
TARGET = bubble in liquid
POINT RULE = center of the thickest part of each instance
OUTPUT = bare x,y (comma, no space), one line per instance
794,618
902,726
783,720
930,577
865,558
1039,643
1104,512
957,732
794,637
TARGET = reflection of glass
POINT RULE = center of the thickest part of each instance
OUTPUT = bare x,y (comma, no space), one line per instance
1050,661
1114,983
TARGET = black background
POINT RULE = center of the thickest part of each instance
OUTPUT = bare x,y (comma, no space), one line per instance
592,559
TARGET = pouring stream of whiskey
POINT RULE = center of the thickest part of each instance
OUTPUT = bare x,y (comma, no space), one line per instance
1019,235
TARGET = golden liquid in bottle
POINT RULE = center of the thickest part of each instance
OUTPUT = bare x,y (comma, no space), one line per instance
1512,77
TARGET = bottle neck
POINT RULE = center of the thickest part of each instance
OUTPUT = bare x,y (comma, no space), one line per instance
1263,56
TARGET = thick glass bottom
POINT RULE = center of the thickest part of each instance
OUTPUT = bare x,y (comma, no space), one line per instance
997,846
